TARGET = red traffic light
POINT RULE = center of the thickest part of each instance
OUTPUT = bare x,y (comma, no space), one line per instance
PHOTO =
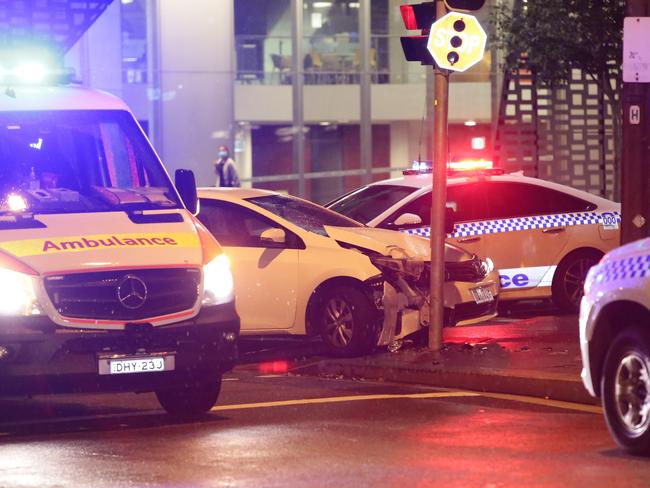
418,16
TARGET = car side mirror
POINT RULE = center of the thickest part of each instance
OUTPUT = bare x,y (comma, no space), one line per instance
186,186
407,220
274,235
450,220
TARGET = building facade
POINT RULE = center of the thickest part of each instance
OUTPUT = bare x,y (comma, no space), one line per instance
313,97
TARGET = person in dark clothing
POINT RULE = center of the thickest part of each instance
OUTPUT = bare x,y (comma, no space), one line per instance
225,169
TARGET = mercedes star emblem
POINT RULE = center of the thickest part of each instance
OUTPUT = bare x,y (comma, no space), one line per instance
131,292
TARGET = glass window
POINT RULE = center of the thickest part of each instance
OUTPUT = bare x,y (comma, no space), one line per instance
80,161
468,201
507,200
306,215
234,225
369,202
421,207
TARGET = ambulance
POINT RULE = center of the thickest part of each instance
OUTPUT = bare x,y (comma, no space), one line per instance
542,236
108,282
615,342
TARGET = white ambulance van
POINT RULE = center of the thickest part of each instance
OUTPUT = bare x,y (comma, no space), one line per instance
107,280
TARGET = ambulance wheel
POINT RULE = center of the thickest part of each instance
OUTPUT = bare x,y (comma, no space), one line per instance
192,399
569,279
625,390
345,319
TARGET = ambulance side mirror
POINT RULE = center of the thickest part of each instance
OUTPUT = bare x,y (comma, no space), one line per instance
450,220
186,186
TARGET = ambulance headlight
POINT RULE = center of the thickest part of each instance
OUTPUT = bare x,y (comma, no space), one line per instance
17,295
31,73
217,281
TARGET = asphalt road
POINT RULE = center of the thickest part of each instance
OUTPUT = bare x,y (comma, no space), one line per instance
279,430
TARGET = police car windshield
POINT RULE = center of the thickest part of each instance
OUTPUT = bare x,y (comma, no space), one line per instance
368,202
78,161
306,215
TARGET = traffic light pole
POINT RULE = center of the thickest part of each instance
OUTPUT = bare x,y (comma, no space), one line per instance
438,199
635,195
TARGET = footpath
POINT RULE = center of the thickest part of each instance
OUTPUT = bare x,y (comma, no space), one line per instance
537,356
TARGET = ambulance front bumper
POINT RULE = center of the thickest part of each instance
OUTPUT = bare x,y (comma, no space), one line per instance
37,356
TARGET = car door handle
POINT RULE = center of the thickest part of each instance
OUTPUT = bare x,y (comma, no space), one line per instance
553,230
465,240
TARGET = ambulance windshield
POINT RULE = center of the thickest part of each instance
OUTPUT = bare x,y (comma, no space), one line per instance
78,161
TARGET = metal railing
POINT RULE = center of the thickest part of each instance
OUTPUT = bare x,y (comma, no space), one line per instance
267,60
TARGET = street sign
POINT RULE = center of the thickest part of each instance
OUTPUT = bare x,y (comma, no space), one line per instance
635,114
457,41
636,49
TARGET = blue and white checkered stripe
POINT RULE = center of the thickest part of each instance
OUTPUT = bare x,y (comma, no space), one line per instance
519,223
622,269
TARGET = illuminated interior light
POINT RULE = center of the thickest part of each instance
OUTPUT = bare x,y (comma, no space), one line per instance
16,203
37,144
30,73
478,143
470,123
469,165
322,4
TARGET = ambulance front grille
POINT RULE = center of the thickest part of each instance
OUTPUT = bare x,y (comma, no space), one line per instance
125,294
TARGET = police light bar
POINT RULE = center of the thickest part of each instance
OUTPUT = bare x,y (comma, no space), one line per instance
469,165
476,167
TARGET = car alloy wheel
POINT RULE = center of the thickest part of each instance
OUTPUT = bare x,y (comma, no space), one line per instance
632,393
625,389
569,279
339,322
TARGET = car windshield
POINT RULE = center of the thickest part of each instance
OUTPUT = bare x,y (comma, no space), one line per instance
306,215
366,203
79,161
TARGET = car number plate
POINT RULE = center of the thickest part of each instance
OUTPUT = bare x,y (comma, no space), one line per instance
139,364
482,295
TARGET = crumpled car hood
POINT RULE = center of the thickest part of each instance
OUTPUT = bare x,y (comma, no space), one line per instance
386,241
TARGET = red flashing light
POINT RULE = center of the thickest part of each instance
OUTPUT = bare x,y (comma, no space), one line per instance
469,165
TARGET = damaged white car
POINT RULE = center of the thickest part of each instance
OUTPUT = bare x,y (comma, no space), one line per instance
302,269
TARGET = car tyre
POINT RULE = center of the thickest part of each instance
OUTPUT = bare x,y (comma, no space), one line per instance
625,390
569,279
346,320
192,399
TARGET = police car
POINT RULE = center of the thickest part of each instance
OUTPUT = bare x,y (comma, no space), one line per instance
615,341
542,236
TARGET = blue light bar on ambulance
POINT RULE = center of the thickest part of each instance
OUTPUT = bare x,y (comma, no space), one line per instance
34,74
32,65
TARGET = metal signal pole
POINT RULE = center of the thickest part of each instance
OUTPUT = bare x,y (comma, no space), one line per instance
635,195
438,200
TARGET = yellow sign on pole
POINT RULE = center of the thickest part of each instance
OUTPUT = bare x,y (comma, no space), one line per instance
457,41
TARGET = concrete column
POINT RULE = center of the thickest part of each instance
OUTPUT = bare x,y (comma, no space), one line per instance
196,72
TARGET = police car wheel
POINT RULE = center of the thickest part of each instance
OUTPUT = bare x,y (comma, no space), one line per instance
625,390
569,279
345,320
195,397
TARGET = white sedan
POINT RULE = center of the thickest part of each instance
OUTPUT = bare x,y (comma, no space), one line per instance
302,269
